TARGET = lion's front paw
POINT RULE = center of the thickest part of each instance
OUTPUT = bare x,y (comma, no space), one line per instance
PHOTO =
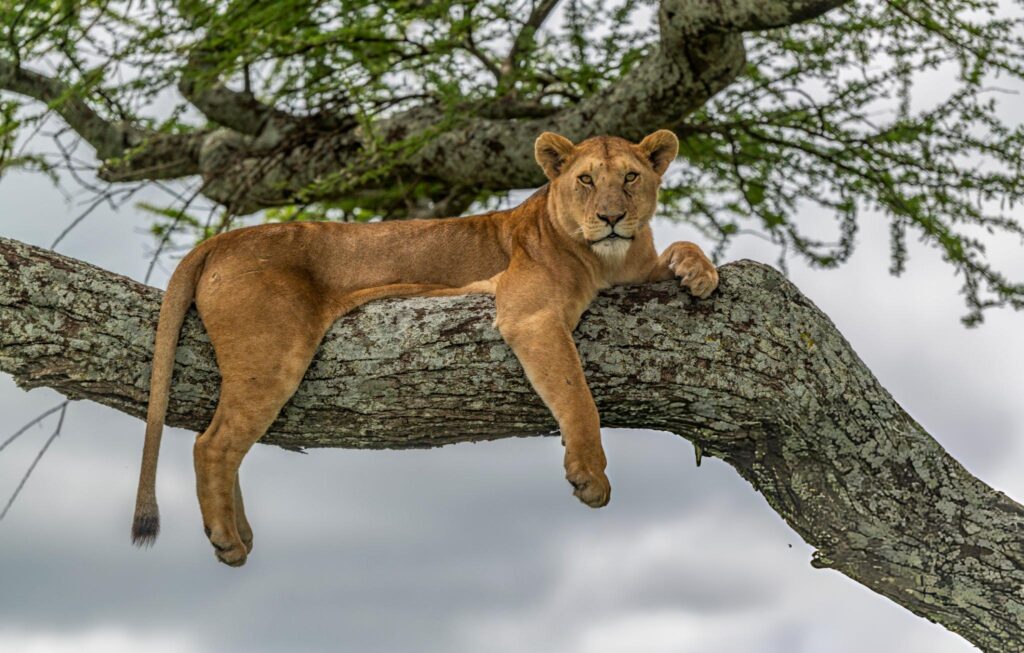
589,483
694,269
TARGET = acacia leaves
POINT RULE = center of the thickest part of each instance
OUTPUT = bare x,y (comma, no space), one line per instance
901,107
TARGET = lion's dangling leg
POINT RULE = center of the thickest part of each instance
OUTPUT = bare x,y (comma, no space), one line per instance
217,456
247,407
264,342
538,327
214,462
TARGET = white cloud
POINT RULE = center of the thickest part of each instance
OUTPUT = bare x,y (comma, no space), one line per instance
110,639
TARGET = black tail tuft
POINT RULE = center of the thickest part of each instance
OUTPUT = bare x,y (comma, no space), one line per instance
145,529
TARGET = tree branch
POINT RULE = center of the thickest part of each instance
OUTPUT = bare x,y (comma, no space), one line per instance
129,152
107,138
485,59
525,38
757,376
155,156
237,110
745,15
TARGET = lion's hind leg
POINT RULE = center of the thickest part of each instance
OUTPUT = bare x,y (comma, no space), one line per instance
263,348
247,407
217,455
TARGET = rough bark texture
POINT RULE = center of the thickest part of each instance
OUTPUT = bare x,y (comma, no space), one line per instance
757,376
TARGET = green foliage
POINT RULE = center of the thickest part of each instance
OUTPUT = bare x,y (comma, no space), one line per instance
895,106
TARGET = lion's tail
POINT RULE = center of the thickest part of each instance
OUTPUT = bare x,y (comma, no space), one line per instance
177,300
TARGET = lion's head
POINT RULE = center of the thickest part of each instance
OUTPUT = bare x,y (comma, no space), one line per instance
605,189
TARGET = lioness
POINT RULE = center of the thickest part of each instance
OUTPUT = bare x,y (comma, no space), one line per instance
267,295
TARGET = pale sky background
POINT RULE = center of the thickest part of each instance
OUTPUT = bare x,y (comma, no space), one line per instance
481,546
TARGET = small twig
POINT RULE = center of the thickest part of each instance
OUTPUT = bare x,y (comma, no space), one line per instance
526,36
472,48
105,196
77,221
53,436
35,421
167,234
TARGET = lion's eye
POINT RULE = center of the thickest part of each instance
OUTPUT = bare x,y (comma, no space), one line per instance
586,180
631,176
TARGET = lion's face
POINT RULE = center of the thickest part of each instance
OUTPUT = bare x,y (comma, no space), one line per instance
606,188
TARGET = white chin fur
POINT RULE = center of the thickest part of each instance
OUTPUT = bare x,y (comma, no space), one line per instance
612,251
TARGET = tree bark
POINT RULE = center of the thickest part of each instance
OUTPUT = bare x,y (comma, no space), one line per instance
756,376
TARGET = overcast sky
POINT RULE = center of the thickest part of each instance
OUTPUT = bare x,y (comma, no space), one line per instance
481,546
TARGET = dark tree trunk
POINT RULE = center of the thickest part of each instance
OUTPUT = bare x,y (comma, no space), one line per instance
757,376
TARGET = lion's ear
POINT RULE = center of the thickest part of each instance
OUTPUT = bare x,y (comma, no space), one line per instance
551,151
661,149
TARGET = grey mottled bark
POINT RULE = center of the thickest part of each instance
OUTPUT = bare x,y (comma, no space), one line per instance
757,376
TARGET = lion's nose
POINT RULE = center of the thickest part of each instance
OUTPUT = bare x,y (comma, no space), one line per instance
609,219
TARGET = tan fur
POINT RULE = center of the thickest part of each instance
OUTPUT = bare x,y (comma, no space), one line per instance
267,295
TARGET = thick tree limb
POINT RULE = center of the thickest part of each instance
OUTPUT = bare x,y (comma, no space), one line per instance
153,155
757,376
